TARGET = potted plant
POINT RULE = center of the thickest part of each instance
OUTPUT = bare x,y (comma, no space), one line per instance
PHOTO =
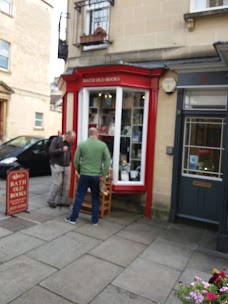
93,39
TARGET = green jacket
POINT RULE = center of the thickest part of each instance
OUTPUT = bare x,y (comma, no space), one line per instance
92,158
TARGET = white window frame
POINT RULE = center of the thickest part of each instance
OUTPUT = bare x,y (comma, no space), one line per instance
83,121
38,120
5,53
103,5
6,6
202,5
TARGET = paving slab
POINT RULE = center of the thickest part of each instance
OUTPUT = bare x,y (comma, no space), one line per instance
4,232
118,250
37,201
54,211
16,244
148,279
64,250
80,221
140,232
49,230
35,216
116,295
34,296
104,230
19,275
184,235
175,256
123,217
154,222
206,263
86,277
15,224
172,299
40,185
209,241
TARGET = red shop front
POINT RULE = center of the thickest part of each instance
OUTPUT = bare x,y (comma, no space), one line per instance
121,102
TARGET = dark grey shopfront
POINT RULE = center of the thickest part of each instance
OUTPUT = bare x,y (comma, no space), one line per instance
200,167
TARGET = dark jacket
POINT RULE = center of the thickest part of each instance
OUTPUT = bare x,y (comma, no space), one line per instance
57,156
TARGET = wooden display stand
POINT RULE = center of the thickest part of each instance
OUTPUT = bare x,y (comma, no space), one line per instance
106,200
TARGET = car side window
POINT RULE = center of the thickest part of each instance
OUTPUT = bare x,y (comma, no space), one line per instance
40,146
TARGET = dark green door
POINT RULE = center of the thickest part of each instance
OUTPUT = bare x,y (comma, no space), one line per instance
201,187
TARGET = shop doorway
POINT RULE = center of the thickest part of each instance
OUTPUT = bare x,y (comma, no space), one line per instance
201,187
2,124
199,159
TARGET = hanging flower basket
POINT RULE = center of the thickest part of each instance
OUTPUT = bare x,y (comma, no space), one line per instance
94,39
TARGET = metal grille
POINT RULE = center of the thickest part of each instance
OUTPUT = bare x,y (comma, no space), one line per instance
80,4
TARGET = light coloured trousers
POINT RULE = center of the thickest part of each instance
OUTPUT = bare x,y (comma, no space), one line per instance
60,185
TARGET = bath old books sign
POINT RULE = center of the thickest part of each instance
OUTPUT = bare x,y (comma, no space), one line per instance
17,191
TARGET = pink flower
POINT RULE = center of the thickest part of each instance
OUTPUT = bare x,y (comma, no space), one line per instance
211,296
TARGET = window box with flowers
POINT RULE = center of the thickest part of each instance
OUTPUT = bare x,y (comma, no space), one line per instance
94,39
215,291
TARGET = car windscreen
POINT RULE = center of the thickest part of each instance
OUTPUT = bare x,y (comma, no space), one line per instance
22,141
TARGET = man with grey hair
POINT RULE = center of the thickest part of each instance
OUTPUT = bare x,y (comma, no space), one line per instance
60,158
92,161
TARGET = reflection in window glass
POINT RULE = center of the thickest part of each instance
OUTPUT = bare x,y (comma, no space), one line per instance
203,151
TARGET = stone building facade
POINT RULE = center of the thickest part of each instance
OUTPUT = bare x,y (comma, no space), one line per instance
173,53
25,43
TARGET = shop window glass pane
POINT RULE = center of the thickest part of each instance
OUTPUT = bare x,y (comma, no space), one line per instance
131,136
102,115
204,146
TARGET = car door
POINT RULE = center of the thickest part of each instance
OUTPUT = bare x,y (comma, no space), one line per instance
36,158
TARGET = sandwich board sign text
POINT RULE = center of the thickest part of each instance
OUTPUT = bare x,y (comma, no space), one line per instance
17,191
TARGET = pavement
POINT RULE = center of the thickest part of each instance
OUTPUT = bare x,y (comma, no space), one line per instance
126,259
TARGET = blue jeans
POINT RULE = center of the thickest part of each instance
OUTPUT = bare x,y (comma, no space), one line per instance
84,183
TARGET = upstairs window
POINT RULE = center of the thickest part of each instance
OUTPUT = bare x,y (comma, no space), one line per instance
6,6
4,55
38,120
97,15
203,5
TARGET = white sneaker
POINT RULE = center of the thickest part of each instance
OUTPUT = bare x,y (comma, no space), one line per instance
67,219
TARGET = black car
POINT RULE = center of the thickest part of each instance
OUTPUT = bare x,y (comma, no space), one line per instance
28,152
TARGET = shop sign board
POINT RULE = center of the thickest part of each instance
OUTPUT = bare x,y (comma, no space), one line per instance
17,185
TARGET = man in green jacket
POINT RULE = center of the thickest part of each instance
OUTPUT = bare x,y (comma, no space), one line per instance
92,161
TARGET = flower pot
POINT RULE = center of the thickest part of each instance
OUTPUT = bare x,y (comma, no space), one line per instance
91,39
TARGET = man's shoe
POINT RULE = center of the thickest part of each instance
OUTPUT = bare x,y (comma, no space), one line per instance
52,205
71,207
63,205
67,219
95,224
